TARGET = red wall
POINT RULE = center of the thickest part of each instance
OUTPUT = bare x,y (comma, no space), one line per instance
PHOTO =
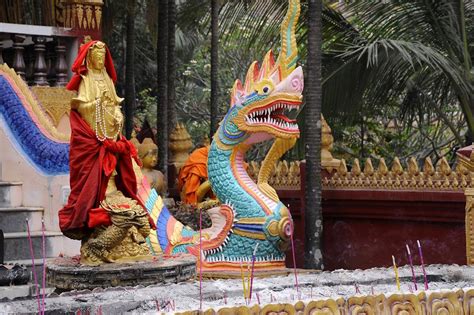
363,228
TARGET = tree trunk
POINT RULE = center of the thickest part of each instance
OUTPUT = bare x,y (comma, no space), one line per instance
130,69
171,66
162,110
214,66
312,140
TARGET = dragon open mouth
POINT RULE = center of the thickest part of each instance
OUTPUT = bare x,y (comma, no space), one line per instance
275,115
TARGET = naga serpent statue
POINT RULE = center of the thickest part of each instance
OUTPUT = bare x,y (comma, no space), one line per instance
250,213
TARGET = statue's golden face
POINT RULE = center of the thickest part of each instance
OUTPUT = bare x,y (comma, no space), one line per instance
150,159
97,58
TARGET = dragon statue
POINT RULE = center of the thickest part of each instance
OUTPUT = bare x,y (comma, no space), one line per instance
250,213
250,217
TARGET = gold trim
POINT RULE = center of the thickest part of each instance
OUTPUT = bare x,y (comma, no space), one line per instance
469,193
254,235
445,302
31,101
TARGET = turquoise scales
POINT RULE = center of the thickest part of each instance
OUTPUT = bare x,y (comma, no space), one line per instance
227,188
258,112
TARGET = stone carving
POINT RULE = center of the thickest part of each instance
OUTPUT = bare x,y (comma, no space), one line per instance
469,193
180,145
425,303
83,15
55,101
441,177
284,175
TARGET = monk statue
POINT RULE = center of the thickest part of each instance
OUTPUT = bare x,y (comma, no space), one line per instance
148,153
103,209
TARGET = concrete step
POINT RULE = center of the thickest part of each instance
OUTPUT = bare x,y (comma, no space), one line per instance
13,219
10,194
17,245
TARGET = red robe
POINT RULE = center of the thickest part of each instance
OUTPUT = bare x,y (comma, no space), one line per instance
91,163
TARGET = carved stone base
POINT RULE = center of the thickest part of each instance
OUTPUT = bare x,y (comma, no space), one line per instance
66,273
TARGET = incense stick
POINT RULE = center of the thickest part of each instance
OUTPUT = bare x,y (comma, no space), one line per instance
397,279
425,278
243,280
251,275
200,260
294,259
33,264
44,262
412,269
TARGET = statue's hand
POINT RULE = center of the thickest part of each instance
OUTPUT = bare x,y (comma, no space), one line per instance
103,98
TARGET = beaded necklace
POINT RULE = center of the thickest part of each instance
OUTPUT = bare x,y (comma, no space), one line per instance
100,113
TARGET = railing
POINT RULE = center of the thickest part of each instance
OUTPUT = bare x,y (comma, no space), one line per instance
39,60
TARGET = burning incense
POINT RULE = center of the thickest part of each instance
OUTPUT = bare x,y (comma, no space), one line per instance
258,298
396,273
243,280
294,259
200,259
247,291
251,275
33,265
412,269
43,238
357,289
422,265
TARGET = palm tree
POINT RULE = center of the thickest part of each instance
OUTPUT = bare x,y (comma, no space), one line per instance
162,111
171,65
312,139
417,54
214,65
129,69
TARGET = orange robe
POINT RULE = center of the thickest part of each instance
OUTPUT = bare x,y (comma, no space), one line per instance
193,174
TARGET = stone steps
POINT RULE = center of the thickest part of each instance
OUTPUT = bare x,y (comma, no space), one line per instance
13,219
17,245
11,194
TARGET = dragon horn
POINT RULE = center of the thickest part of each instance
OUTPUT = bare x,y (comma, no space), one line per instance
267,65
251,78
236,90
289,51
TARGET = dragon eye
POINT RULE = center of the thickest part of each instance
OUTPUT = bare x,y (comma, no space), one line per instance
265,89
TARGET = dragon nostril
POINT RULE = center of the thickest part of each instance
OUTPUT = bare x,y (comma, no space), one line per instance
265,89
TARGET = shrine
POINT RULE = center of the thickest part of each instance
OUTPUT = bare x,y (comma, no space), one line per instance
119,195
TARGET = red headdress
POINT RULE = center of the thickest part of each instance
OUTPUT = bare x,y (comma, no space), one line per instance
79,66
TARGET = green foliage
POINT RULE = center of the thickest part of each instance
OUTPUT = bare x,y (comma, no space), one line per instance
405,62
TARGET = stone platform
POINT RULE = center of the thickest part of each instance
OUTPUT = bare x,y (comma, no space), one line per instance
66,273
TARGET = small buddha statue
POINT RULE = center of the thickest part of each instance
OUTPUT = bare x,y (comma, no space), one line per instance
148,153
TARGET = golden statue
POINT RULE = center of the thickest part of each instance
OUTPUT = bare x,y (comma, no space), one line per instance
103,209
148,153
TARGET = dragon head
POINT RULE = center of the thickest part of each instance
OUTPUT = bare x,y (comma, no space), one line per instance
260,108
